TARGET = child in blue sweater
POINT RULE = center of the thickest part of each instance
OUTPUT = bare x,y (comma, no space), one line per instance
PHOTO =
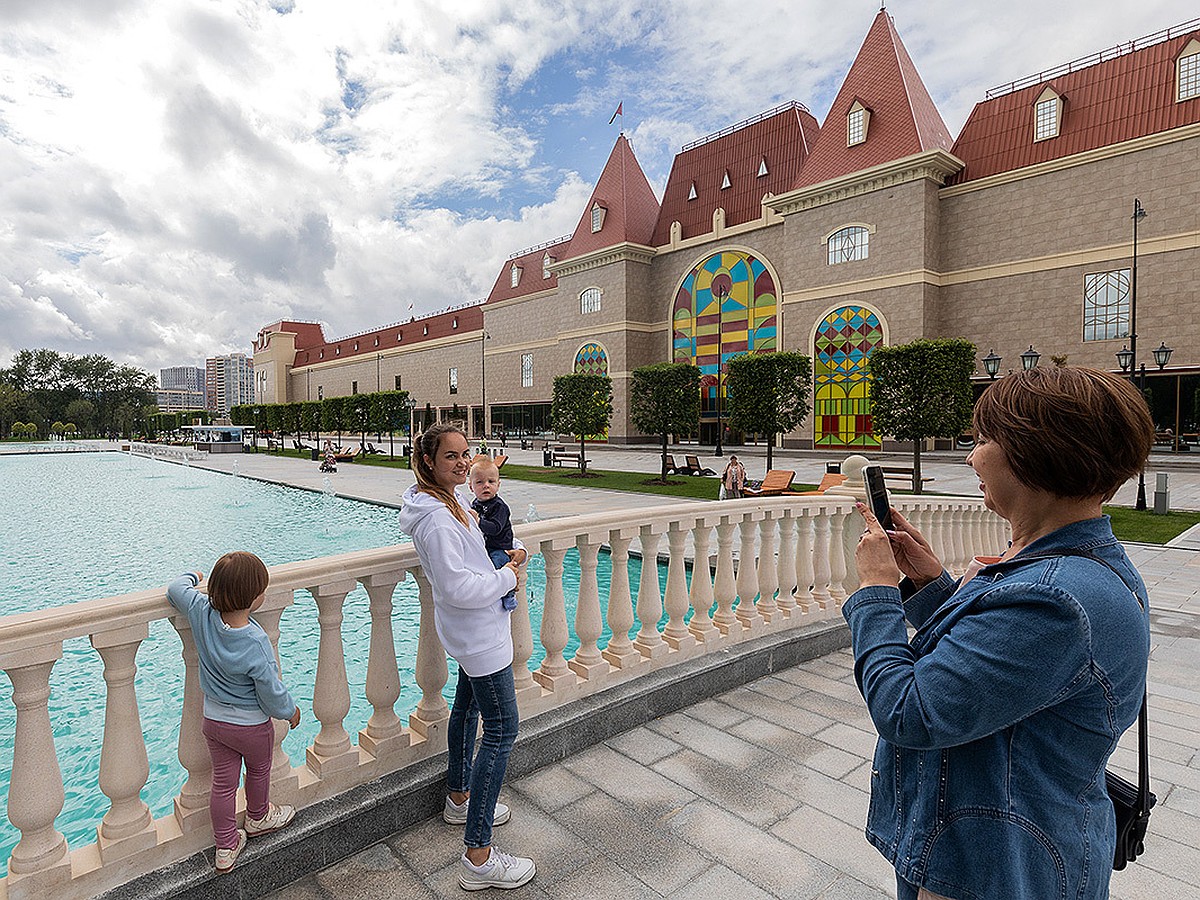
242,694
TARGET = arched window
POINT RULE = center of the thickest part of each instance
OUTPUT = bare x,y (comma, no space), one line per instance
589,301
841,382
848,244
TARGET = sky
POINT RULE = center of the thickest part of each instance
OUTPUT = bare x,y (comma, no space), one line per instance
176,174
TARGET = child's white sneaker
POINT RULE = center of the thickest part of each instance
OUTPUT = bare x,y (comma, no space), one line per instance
226,858
456,814
275,818
499,871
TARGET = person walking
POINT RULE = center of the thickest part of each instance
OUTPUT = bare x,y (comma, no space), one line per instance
733,479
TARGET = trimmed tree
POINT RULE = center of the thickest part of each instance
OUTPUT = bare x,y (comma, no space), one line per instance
332,416
767,393
665,399
922,390
582,406
389,413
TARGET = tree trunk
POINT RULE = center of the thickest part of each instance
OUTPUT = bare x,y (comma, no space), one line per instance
664,458
770,446
916,476
582,460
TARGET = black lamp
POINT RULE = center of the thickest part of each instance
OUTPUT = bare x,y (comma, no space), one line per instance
991,364
1162,354
1125,358
1029,359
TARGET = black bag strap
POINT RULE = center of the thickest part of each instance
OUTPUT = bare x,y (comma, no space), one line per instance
1143,794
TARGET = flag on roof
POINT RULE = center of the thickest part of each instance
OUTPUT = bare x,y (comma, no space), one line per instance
617,113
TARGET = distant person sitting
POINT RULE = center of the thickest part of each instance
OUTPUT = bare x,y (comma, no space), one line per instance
495,520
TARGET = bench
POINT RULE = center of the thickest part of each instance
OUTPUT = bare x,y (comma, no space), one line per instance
560,456
902,476
776,482
694,468
828,480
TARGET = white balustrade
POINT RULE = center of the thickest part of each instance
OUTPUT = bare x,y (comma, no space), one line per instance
795,558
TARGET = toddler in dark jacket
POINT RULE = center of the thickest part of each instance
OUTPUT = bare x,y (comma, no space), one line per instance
494,517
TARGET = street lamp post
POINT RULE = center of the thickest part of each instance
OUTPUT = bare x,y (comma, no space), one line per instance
1029,359
484,338
409,405
722,293
991,364
1139,213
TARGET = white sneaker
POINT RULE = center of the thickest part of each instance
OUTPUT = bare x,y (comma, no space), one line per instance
454,814
276,818
500,871
226,858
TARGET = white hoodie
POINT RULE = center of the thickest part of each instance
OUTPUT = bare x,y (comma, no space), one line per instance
473,625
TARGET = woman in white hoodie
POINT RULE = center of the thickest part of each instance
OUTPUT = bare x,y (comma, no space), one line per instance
474,628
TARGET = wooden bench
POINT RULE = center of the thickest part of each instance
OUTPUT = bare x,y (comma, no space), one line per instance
776,482
828,480
901,476
560,456
694,468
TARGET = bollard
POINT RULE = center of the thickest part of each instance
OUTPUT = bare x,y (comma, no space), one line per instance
1162,496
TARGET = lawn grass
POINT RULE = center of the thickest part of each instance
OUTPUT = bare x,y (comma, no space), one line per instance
1147,528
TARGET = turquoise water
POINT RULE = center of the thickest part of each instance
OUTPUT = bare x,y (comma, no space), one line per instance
84,526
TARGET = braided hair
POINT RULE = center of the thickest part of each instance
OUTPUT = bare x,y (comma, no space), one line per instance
425,449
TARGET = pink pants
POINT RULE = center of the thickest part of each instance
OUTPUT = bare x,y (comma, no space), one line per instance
229,745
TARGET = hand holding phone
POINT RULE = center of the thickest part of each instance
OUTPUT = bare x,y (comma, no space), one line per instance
877,496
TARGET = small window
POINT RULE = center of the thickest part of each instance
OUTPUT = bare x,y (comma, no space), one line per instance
515,275
848,244
397,383
454,379
1047,115
526,370
692,191
321,355
354,387
356,346
725,182
425,329
589,301
376,342
454,322
857,120
337,351
320,392
546,261
1187,72
598,212
762,168
1106,305
399,336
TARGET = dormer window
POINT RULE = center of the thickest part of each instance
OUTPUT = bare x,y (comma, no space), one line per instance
376,342
762,168
598,212
356,346
425,330
692,191
547,260
1047,115
454,322
1187,72
399,336
857,121
337,351
515,274
725,183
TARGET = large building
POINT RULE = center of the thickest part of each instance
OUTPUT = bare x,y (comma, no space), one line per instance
180,388
229,382
875,227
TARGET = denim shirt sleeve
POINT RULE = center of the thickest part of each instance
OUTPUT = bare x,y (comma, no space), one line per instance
920,604
1021,648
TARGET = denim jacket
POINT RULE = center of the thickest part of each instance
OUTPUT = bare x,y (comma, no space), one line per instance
997,718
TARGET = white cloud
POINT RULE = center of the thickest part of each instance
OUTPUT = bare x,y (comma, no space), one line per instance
178,173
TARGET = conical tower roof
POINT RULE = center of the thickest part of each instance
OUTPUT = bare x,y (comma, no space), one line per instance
630,208
902,119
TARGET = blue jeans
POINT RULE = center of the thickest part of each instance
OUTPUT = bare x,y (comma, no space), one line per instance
500,559
495,699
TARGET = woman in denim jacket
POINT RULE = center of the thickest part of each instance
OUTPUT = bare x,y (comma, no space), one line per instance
997,718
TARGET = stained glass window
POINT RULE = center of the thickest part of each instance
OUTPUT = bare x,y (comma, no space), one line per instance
849,244
591,360
1106,305
842,403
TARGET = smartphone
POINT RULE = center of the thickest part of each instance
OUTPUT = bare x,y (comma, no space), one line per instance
877,496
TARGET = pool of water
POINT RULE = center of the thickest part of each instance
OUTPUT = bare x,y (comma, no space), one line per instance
84,526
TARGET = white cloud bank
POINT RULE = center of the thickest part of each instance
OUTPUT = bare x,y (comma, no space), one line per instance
178,173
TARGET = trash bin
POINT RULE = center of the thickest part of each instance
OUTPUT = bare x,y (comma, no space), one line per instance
833,468
316,454
547,456
524,444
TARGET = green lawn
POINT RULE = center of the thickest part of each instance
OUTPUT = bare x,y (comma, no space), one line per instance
1147,528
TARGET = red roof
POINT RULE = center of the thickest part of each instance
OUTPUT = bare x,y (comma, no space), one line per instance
629,202
904,120
308,334
415,331
1116,100
781,137
531,281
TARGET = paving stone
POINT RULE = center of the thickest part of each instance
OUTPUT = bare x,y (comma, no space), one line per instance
826,838
553,787
643,745
719,881
373,874
602,879
304,889
622,778
847,888
749,792
718,714
703,738
785,714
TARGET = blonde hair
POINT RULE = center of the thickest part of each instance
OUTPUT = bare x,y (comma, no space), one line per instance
484,463
426,449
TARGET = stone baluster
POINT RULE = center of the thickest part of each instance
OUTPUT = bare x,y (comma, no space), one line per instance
331,750
959,552
821,568
747,577
851,531
429,718
971,531
936,532
700,597
676,633
724,585
191,806
649,642
838,523
384,733
554,673
785,573
768,574
40,860
285,782
804,559
522,636
127,827
620,651
588,663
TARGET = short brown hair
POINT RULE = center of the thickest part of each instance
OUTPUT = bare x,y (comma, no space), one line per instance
1068,430
236,581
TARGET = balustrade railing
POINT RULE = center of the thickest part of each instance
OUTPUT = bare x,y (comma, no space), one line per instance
794,566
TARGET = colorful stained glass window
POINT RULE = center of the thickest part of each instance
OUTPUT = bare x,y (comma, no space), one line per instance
725,306
842,403
591,360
